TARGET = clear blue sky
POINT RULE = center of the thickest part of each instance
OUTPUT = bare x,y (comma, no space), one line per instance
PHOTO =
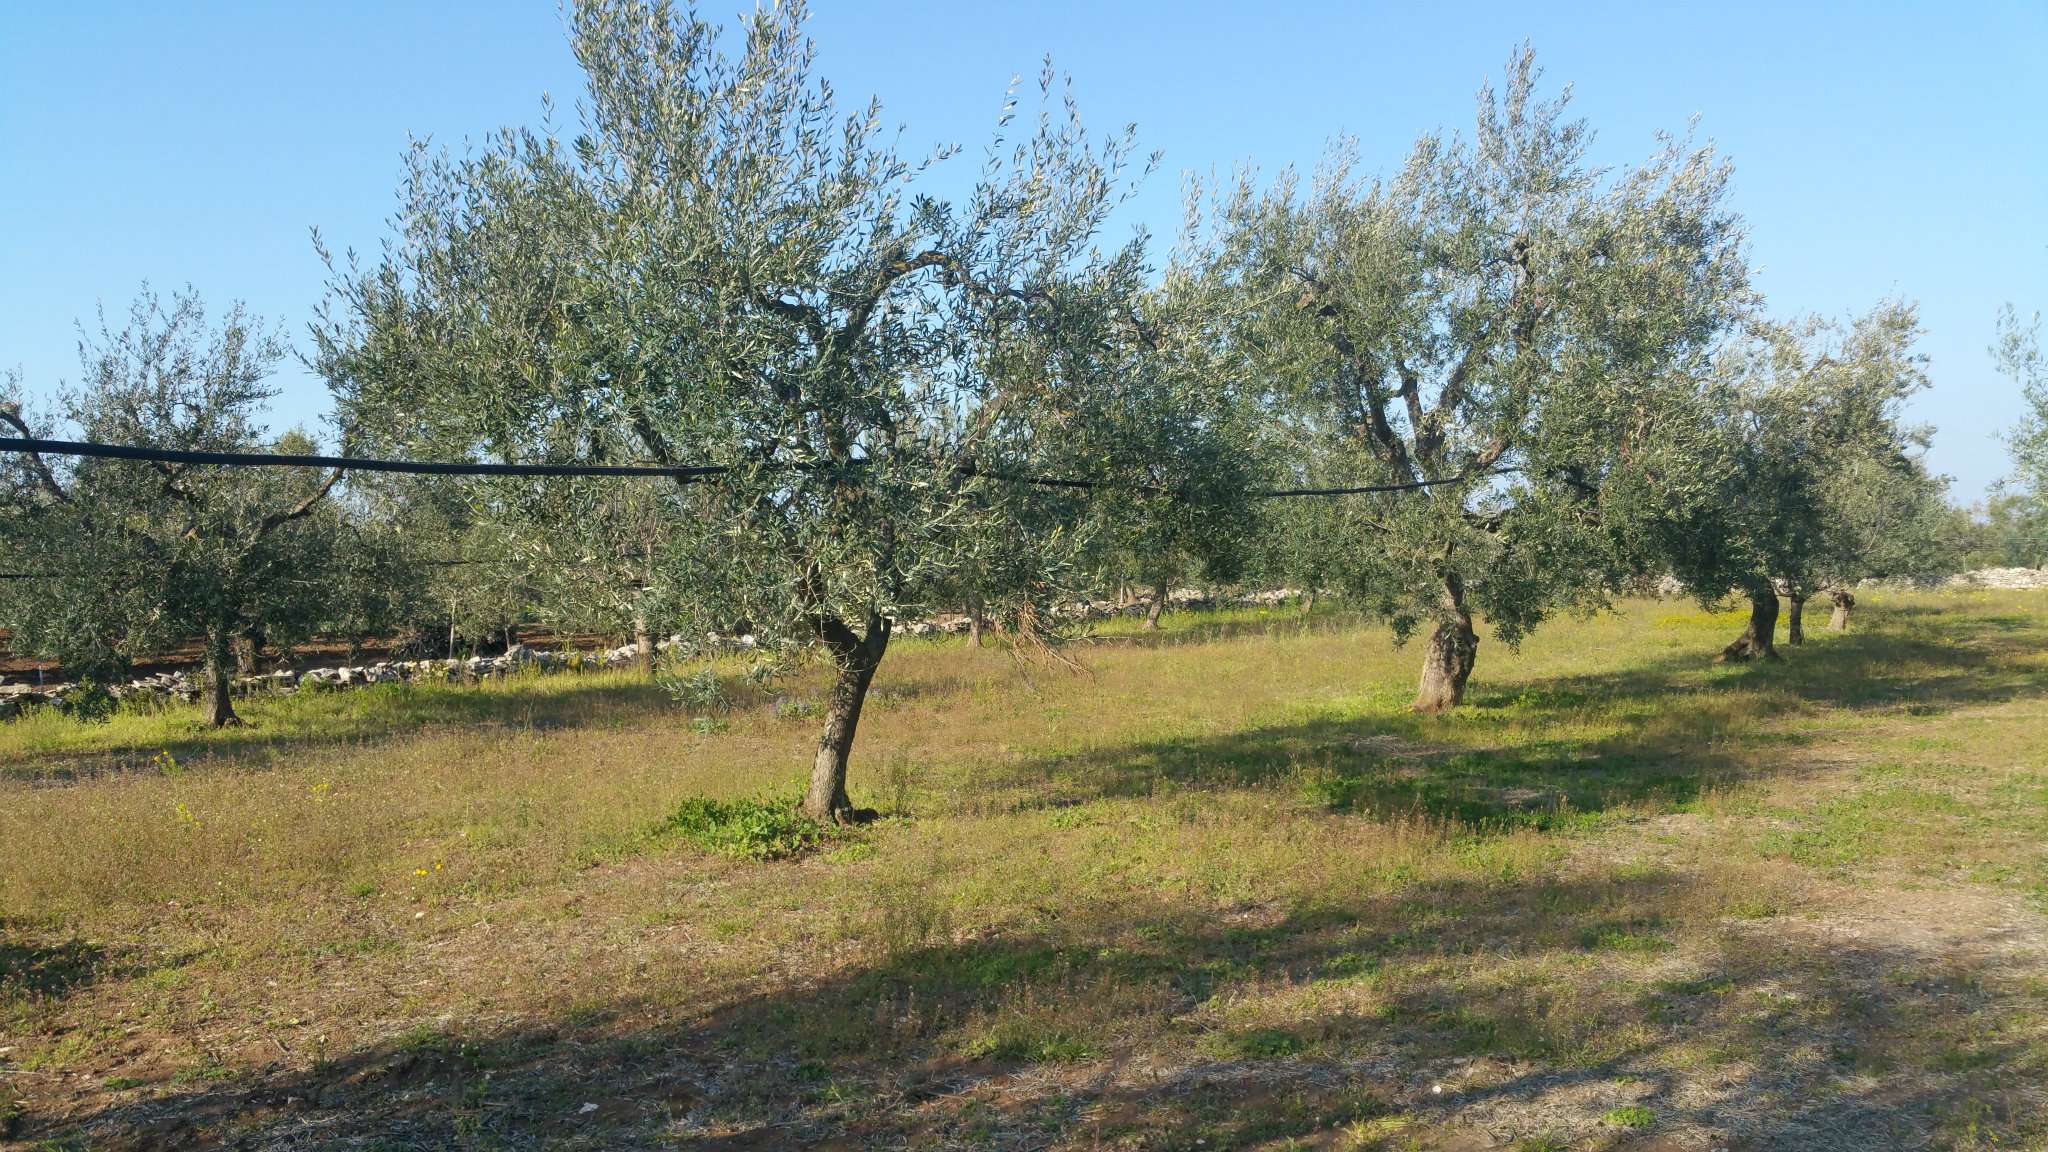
1879,148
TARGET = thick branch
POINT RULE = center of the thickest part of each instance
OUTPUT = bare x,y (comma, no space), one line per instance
276,520
11,413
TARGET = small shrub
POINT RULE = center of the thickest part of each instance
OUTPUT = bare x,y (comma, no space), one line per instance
91,703
744,829
700,689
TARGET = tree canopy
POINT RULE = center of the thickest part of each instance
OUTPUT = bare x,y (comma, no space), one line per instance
1502,321
720,268
130,558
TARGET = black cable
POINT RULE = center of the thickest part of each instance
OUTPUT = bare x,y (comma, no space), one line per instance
349,463
686,473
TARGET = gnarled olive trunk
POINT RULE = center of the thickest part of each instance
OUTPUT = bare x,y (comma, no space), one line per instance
975,619
643,648
248,650
1308,602
1158,604
219,673
1838,620
1795,619
1452,651
855,658
1759,640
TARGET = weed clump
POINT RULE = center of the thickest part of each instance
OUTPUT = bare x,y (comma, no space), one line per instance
743,829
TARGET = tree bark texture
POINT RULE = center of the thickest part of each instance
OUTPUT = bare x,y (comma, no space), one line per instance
219,673
643,648
1795,620
1452,651
855,658
975,620
1759,639
1838,620
1157,606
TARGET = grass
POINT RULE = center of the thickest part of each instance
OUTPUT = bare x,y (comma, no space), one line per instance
1220,886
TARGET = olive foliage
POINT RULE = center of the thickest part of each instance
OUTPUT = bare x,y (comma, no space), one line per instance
130,558
721,269
1507,328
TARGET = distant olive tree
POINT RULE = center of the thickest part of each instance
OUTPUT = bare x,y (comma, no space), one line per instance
720,269
131,558
1511,327
1825,483
1173,429
2019,356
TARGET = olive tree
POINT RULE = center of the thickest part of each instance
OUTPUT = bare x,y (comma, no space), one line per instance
1825,484
720,270
1505,327
133,557
1172,430
2018,352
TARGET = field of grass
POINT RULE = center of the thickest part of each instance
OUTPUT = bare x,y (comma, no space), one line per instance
1218,889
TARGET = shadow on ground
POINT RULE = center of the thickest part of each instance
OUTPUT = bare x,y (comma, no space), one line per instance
1452,1007
1514,757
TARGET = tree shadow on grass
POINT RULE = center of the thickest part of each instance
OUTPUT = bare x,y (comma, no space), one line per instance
36,967
1499,1006
1535,753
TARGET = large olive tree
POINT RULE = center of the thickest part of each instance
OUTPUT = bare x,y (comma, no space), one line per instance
719,269
1506,326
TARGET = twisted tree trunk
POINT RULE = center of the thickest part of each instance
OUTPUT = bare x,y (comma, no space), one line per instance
1158,604
1795,617
643,647
1838,621
975,619
219,673
855,658
1759,640
1452,651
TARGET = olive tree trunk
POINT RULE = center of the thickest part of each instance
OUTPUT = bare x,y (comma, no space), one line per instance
1308,602
855,659
1759,640
1838,620
975,620
1795,619
248,650
1157,606
643,647
219,673
1452,650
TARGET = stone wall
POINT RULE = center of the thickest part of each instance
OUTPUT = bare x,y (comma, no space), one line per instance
186,686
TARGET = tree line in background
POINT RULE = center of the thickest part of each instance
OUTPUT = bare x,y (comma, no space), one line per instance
1557,377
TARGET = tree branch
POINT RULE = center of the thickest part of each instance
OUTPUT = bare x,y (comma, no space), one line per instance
276,520
11,413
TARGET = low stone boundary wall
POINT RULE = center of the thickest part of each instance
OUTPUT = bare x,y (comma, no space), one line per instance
185,686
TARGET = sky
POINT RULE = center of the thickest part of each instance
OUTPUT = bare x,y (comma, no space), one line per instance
1880,149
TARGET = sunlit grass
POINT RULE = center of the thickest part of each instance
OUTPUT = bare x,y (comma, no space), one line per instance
1229,843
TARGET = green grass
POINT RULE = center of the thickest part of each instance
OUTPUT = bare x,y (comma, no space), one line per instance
1220,885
